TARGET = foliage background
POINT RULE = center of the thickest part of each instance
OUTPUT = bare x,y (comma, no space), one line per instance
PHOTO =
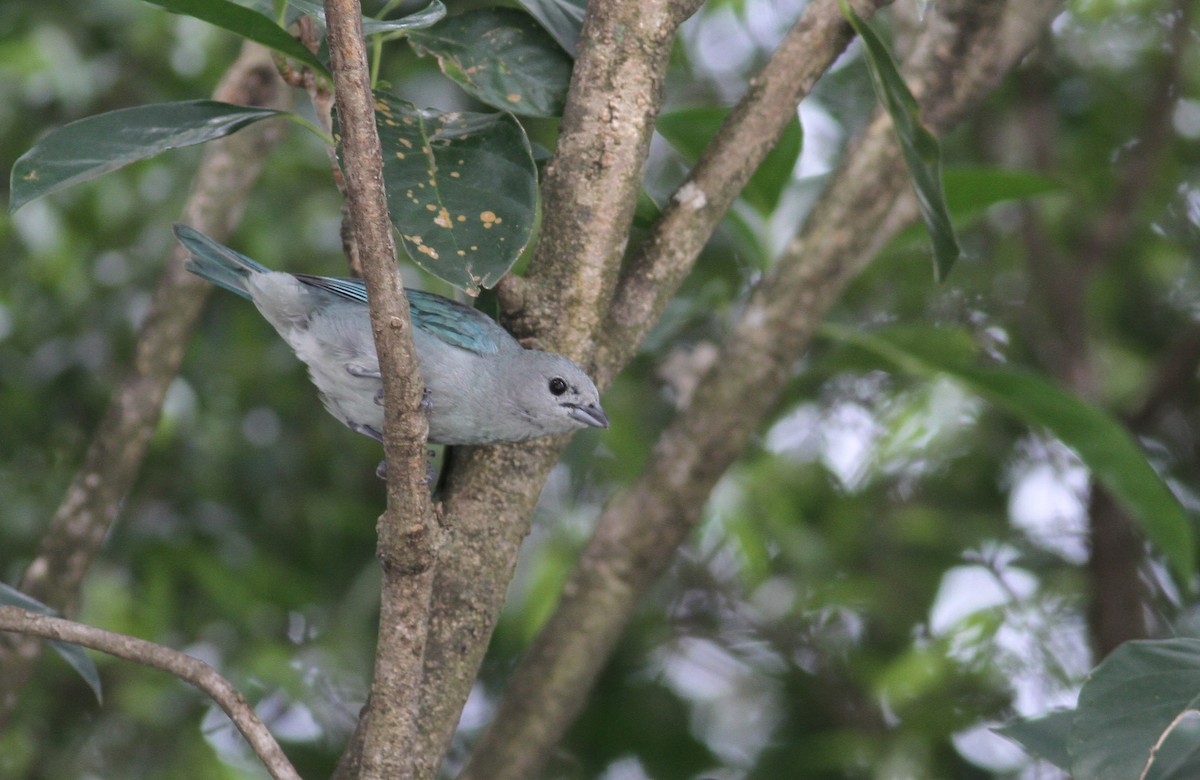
891,567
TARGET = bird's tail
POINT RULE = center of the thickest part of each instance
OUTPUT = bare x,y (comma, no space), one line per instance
217,263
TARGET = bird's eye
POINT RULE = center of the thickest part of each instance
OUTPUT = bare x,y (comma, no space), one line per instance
558,385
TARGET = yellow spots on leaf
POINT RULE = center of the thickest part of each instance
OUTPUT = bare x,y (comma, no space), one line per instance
455,175
31,176
461,218
407,144
474,248
399,155
489,219
430,207
443,218
419,243
513,97
461,253
382,107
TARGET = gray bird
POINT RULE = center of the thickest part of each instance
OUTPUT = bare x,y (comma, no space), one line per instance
482,386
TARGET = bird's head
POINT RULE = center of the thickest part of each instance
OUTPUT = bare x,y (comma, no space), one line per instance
554,395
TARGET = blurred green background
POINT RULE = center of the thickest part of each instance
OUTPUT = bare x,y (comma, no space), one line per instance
893,566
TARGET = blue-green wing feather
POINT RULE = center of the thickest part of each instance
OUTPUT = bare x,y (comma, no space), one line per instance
449,320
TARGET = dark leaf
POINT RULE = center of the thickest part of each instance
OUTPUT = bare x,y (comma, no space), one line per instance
921,150
73,654
461,187
426,17
1044,736
971,191
1129,702
98,144
502,57
561,18
246,23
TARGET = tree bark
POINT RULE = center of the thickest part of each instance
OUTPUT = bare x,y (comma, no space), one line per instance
408,529
964,50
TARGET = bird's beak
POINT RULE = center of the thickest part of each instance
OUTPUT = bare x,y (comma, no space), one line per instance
590,414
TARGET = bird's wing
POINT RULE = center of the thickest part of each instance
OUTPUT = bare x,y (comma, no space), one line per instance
450,321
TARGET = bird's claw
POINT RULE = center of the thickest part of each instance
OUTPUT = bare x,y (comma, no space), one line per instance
365,430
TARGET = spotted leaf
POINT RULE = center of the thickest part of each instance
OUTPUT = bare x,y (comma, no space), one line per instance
502,57
461,188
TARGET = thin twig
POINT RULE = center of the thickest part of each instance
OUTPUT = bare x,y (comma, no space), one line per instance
185,667
653,274
407,528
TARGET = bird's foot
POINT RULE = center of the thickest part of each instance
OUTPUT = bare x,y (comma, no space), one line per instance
430,471
426,399
365,430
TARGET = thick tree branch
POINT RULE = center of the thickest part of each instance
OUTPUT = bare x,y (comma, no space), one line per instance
641,528
114,457
407,530
653,274
590,189
591,184
185,667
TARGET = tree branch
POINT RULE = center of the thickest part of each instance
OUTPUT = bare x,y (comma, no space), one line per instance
664,259
407,530
590,188
114,457
640,529
185,667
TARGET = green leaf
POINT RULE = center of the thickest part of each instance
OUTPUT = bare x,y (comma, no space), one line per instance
502,57
690,130
248,24
461,187
1102,443
73,654
1044,736
95,145
426,17
561,18
1178,757
1130,701
921,150
972,190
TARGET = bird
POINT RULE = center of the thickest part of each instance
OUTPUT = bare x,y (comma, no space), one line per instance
481,385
